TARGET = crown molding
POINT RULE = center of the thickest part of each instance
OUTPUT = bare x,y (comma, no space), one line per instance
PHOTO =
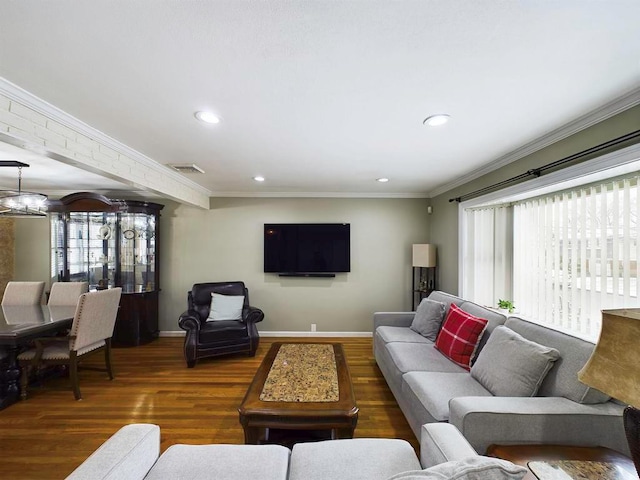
619,105
20,95
316,195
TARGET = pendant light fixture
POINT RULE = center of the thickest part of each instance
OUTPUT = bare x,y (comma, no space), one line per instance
18,203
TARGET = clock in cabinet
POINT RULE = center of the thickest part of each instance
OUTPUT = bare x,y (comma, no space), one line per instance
111,243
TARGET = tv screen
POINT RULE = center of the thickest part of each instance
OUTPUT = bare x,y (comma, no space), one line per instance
306,247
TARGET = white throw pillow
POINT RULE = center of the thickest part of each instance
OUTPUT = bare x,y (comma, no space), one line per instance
225,307
472,468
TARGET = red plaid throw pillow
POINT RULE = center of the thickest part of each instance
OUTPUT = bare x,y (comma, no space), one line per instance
460,335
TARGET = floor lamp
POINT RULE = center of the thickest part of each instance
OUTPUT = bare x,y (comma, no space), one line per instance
614,369
424,257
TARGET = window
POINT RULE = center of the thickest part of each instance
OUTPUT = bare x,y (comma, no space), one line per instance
575,253
562,256
488,254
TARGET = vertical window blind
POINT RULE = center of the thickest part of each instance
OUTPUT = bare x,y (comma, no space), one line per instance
576,253
487,254
561,258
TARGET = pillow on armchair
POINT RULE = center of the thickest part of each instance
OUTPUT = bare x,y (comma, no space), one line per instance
225,307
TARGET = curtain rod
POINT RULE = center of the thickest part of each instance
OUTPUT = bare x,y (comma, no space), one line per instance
536,172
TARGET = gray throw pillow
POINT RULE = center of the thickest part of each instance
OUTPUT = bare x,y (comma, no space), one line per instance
509,365
428,318
472,468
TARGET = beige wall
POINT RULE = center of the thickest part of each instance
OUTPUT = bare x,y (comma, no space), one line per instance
444,220
32,249
225,243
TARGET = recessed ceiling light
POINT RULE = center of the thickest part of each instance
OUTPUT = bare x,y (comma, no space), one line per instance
207,117
259,178
436,120
382,180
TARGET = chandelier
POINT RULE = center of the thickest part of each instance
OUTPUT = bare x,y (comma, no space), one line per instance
18,203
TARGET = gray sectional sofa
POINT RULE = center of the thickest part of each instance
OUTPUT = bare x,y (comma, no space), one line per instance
133,453
431,388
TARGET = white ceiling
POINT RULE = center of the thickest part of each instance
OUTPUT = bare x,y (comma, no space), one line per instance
318,96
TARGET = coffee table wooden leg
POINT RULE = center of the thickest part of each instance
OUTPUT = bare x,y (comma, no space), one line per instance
251,434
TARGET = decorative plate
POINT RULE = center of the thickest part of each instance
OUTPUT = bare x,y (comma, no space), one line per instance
129,234
105,232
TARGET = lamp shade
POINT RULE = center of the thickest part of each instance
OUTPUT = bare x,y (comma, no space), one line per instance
424,255
614,364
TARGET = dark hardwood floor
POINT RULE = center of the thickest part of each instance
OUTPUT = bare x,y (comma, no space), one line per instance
50,434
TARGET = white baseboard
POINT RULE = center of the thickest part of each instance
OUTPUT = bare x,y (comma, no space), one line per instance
287,334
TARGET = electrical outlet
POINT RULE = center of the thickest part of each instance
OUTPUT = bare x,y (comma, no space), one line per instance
313,327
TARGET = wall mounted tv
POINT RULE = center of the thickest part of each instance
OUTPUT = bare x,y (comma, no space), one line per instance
307,249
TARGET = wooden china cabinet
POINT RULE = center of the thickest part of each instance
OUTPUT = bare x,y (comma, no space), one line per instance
111,243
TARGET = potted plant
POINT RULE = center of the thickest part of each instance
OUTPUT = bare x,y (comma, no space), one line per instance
506,306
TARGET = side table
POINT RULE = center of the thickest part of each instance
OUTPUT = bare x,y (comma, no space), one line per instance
522,454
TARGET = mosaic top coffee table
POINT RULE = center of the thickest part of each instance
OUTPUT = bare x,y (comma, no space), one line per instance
300,386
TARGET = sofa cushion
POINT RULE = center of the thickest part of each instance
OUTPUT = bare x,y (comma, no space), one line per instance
562,379
400,334
222,462
472,468
351,459
433,390
459,336
445,298
494,319
428,318
512,366
408,357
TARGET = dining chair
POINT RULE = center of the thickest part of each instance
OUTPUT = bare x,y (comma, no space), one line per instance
90,332
23,293
66,293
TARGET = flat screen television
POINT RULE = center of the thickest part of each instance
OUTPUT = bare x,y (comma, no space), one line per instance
307,248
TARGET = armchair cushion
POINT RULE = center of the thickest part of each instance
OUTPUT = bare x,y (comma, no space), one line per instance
222,330
225,307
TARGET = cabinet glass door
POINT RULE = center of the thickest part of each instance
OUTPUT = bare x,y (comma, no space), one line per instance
57,248
91,249
137,252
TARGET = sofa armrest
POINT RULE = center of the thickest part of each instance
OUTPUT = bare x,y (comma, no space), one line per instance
392,319
442,442
537,420
128,454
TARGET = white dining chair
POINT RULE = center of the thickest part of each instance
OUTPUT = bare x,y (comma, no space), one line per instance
23,293
66,293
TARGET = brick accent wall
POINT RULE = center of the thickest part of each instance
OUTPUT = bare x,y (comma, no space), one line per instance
91,150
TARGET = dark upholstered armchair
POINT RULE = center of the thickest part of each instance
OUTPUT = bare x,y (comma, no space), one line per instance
211,338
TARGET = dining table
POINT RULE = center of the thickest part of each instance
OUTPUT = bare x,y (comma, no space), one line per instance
19,326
